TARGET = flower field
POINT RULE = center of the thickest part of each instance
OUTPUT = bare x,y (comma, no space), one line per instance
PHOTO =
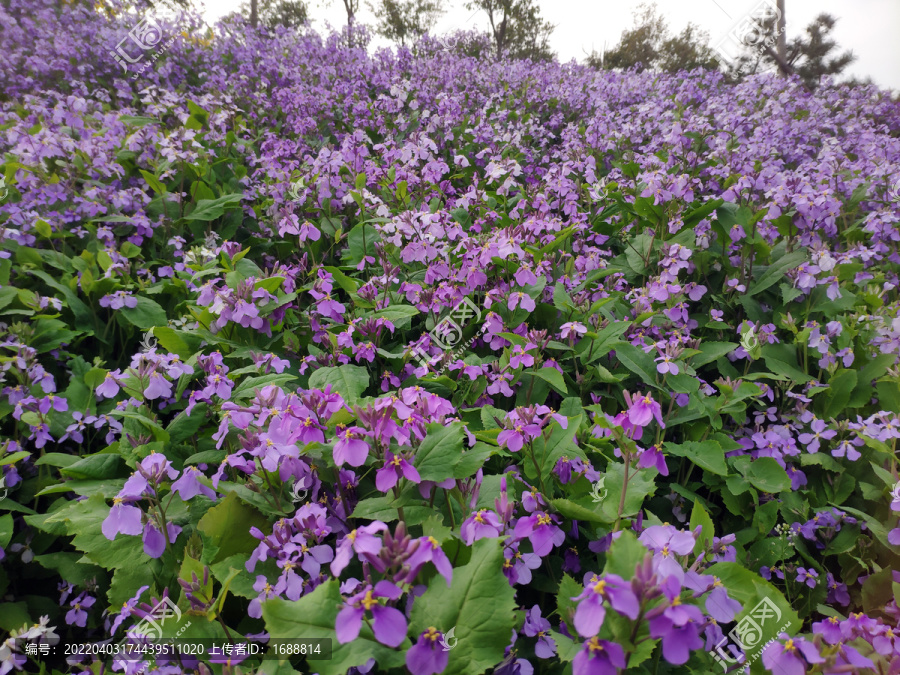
323,360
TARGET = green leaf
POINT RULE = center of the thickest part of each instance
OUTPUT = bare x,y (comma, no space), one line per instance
766,474
699,516
840,388
568,589
225,529
710,351
146,314
440,451
777,270
707,455
313,616
6,529
153,182
580,509
479,605
641,484
246,387
552,376
210,209
759,599
349,381
94,467
636,361
624,555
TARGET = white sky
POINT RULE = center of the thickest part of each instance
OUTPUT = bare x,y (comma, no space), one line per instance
868,27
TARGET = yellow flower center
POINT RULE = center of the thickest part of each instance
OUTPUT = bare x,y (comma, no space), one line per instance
368,602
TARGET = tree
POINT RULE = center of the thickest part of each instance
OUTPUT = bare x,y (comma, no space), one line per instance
518,29
272,13
405,20
351,7
810,56
650,45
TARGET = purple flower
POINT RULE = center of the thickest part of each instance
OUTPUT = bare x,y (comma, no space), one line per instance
830,629
266,591
837,592
429,551
573,328
394,466
666,365
126,610
642,409
110,385
792,657
591,612
78,615
189,485
819,433
122,519
155,541
520,357
678,625
537,626
666,542
482,523
598,657
719,606
427,657
540,531
158,387
388,623
362,541
652,456
522,300
807,577
350,447
516,437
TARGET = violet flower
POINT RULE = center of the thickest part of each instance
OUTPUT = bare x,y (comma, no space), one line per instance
792,657
591,612
427,656
388,623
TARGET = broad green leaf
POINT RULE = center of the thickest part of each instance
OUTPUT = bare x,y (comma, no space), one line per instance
710,351
313,616
766,474
440,451
146,314
479,605
761,601
777,270
707,455
834,400
210,209
226,529
636,361
552,376
349,381
699,516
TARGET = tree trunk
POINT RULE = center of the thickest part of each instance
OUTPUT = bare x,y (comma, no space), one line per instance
254,13
782,38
